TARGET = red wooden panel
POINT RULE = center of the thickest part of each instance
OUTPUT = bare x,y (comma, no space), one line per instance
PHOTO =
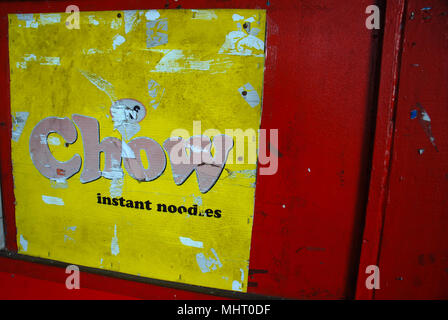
387,98
26,280
414,249
318,92
308,216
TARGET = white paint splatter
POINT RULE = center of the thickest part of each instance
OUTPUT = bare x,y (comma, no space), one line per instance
243,44
66,237
169,62
50,61
93,21
118,41
29,20
23,243
249,94
18,124
126,151
204,15
54,141
52,200
156,92
208,264
237,285
130,18
197,200
114,248
152,15
50,18
115,24
237,17
191,243
243,174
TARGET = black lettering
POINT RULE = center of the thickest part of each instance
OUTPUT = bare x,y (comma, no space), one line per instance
172,208
138,205
160,206
218,213
129,204
108,200
209,212
115,201
147,205
193,210
181,209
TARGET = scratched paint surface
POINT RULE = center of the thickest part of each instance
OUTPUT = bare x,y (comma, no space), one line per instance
183,66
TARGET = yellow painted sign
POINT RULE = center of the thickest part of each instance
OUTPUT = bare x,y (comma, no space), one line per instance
108,109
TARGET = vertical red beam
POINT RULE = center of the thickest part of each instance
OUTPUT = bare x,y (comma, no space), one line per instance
7,183
384,134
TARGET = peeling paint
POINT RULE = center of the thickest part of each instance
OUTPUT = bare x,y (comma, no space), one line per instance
156,33
130,19
204,15
30,22
54,141
191,243
156,92
208,264
51,61
93,21
114,248
18,124
425,122
152,15
23,243
237,285
118,41
50,18
249,94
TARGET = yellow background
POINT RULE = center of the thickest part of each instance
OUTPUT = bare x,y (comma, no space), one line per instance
148,241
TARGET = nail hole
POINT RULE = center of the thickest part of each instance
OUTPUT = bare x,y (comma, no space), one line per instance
244,93
119,15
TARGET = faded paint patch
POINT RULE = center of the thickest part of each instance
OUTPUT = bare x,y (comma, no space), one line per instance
425,122
156,33
51,61
50,18
52,200
18,124
243,42
197,200
130,19
208,264
152,15
156,92
191,243
249,94
114,248
237,285
23,243
29,19
54,141
204,15
92,20
118,41
176,61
